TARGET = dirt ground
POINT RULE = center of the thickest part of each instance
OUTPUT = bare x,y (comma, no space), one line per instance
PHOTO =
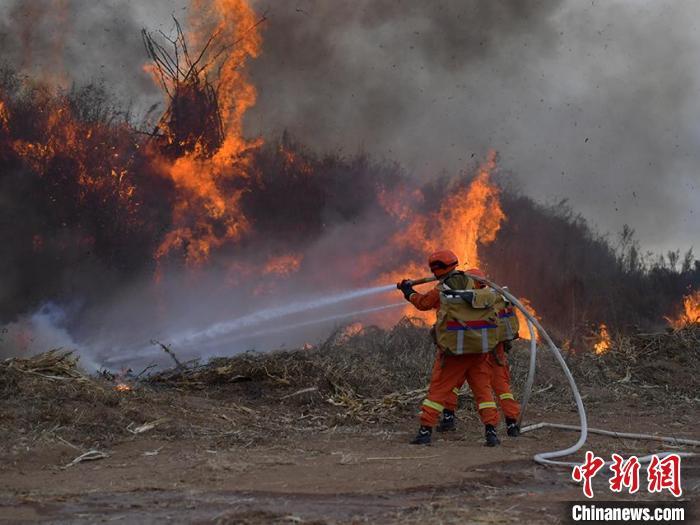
334,475
321,436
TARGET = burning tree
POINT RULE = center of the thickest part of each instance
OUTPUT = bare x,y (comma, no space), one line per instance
201,132
192,122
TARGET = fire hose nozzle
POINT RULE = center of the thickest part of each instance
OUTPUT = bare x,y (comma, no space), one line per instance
431,278
422,280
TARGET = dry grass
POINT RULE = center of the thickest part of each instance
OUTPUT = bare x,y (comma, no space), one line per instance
375,376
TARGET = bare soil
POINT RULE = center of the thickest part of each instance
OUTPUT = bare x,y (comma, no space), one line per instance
335,475
308,437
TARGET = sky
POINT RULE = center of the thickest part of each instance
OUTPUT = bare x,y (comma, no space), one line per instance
591,101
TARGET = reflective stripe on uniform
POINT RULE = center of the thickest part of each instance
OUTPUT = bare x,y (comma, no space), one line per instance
484,341
460,343
433,405
455,390
507,395
487,404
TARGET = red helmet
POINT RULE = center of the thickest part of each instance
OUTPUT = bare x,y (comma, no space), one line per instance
478,273
442,262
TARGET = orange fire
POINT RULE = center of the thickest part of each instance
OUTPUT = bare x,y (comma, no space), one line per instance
350,330
399,202
522,320
691,311
467,217
93,155
122,387
284,265
207,215
3,116
603,343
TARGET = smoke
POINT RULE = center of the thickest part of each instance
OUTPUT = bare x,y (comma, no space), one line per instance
581,99
78,41
44,329
588,101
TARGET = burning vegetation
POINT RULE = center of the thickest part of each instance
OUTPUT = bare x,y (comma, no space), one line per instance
603,343
690,313
102,203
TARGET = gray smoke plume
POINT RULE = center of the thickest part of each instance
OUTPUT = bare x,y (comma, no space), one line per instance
591,101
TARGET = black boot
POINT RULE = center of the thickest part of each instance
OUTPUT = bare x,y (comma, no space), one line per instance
447,423
512,427
491,437
424,436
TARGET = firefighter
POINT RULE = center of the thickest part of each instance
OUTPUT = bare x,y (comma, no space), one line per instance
465,331
500,369
498,359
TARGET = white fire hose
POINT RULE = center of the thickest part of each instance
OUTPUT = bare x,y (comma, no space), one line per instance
546,458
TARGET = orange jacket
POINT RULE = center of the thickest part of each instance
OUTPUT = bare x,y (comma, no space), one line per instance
426,301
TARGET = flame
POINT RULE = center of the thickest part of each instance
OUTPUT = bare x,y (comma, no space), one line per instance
284,265
351,330
522,320
467,217
400,202
87,151
603,343
123,387
4,118
208,214
293,161
691,311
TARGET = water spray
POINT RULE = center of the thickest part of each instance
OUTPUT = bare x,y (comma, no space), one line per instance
311,322
268,314
546,458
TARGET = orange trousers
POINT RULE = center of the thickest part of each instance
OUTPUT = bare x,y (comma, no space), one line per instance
500,383
450,371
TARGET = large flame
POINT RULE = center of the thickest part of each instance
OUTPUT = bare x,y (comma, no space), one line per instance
208,214
690,313
468,216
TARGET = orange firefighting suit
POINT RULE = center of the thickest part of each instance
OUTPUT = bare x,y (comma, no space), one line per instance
451,371
500,378
500,383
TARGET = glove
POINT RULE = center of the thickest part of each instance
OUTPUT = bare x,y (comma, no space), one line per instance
407,288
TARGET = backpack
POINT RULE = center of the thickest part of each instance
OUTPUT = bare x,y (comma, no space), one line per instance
508,323
466,327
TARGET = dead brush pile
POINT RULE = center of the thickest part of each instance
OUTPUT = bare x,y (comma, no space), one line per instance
667,361
651,366
47,398
360,378
379,375
366,376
